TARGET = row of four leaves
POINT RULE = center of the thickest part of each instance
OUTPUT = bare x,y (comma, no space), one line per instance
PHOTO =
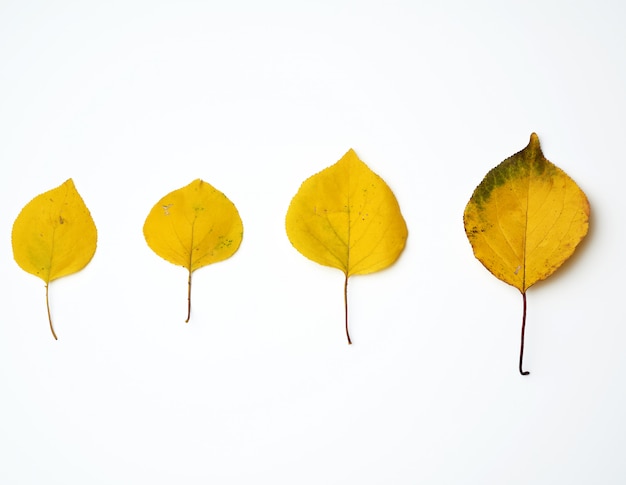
523,221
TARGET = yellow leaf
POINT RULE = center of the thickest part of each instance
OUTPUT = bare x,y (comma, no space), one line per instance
347,217
525,219
54,236
193,227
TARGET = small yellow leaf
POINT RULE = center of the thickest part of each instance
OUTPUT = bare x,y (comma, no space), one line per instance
54,236
347,217
193,227
525,219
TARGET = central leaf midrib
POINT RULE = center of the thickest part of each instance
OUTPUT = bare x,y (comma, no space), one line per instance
193,225
524,245
349,245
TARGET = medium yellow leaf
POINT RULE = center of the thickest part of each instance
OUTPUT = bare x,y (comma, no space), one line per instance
525,219
54,236
193,227
347,217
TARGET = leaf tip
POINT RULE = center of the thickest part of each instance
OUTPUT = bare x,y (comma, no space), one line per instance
534,140
351,155
69,183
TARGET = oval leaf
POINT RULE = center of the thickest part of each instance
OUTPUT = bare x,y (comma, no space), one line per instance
193,227
525,219
54,235
347,217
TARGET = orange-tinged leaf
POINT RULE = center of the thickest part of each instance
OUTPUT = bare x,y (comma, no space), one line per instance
525,219
54,236
193,227
347,217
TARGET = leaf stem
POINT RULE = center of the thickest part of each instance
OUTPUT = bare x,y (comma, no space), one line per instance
49,317
188,297
345,303
521,349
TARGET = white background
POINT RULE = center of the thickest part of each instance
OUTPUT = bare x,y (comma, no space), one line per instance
134,99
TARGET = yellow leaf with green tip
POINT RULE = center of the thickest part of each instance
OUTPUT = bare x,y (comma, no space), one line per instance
54,236
193,227
525,219
347,217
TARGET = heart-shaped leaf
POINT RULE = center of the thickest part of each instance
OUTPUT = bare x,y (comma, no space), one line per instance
193,227
54,236
347,217
525,219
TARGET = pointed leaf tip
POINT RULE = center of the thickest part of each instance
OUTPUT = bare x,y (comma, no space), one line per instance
534,145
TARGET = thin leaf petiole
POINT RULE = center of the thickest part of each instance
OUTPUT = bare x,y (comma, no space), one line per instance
345,303
49,317
188,297
521,350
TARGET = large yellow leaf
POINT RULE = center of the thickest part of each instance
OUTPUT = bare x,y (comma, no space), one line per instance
54,236
193,227
347,217
525,219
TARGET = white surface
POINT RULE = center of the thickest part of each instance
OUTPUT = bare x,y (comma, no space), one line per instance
133,99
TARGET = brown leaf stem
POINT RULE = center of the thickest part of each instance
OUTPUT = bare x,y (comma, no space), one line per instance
188,297
521,350
345,303
49,317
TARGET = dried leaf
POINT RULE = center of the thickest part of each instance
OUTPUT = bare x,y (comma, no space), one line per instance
54,236
193,227
347,217
525,219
